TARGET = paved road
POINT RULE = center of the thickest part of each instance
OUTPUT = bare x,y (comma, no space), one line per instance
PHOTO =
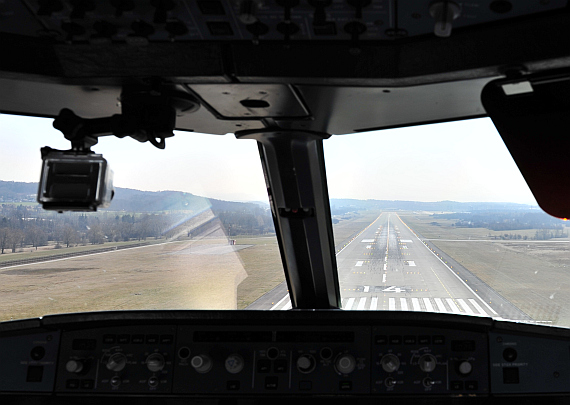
390,267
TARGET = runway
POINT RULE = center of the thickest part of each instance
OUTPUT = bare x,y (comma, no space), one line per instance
389,267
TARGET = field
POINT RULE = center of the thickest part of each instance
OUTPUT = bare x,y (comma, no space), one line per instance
533,275
206,273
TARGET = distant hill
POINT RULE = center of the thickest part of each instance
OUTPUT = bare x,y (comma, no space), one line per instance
127,199
340,206
131,200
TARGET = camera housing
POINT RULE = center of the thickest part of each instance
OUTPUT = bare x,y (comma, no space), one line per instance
74,181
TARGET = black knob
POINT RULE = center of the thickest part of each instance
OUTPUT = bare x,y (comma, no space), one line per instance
287,5
355,29
358,5
257,29
287,29
510,354
320,16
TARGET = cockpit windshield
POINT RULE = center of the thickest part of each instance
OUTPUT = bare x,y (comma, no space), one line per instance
432,218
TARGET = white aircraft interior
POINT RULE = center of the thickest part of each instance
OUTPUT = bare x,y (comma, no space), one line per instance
289,74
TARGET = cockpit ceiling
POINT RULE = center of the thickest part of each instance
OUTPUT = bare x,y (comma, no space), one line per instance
329,75
330,109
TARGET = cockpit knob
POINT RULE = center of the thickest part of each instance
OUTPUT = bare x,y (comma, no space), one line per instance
444,13
345,363
464,367
390,363
201,363
306,363
427,363
248,10
116,362
155,362
234,363
74,366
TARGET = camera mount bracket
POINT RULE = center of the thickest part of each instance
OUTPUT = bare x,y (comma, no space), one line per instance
148,114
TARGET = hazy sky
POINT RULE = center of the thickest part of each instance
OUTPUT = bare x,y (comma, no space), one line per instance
460,161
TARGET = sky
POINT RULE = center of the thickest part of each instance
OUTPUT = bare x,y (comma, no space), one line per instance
459,161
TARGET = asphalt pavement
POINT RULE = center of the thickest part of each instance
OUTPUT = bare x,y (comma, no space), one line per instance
388,266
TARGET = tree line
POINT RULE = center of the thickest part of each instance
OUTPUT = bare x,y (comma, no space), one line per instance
24,226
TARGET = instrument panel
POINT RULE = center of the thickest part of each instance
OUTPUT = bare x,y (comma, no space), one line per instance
299,353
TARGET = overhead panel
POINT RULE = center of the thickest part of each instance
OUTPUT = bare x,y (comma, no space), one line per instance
137,22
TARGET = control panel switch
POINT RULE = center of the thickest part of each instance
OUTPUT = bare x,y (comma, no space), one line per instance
390,363
345,363
201,363
427,363
74,366
465,367
155,362
306,363
444,12
234,363
116,362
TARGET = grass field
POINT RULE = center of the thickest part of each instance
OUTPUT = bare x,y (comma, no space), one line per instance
205,274
533,275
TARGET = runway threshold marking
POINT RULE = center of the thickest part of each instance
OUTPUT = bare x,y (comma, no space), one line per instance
403,304
451,270
440,305
452,305
391,304
477,307
374,303
416,304
428,305
361,304
466,307
349,304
